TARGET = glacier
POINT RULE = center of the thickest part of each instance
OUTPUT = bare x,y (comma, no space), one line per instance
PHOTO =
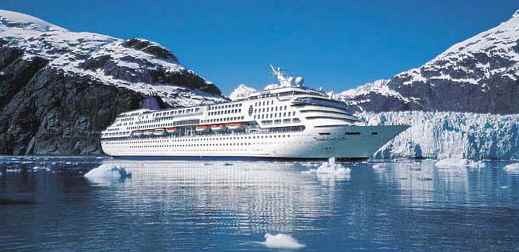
443,135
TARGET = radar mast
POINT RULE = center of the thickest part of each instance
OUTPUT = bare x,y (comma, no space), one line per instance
286,80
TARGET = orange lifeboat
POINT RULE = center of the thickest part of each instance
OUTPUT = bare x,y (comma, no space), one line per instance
234,126
201,128
217,127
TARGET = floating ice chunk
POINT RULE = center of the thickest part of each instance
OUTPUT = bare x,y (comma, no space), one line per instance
379,166
40,168
330,168
13,170
458,163
512,168
307,164
281,241
106,172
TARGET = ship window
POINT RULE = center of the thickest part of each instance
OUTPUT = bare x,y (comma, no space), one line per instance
352,133
374,133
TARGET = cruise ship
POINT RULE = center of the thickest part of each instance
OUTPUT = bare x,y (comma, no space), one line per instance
286,120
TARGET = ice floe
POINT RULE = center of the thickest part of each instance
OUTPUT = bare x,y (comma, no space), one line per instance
458,163
379,166
281,241
40,168
13,170
512,168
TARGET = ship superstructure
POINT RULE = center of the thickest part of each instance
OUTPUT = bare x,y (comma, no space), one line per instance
286,120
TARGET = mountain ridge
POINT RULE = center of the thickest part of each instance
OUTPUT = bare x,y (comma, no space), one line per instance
59,89
479,74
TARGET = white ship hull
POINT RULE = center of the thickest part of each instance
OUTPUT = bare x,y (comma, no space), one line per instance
309,144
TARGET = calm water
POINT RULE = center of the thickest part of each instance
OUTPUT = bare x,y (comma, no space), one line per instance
231,205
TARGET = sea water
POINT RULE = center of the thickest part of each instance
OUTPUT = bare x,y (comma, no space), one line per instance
47,204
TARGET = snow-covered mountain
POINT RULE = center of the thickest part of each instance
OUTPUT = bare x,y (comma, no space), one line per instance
136,64
59,89
450,135
375,94
480,75
242,91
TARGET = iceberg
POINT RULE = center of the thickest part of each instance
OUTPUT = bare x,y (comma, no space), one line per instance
441,135
281,241
330,168
106,173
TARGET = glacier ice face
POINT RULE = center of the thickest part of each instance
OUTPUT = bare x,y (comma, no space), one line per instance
449,135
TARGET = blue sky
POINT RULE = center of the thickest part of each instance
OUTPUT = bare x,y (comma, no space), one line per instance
333,44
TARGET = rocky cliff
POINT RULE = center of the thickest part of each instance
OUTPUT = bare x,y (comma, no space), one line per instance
59,89
480,75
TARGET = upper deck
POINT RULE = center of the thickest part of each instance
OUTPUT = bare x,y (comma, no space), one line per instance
286,104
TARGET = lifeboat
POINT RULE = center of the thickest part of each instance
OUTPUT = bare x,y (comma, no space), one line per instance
148,132
158,132
234,126
217,127
201,128
171,130
137,133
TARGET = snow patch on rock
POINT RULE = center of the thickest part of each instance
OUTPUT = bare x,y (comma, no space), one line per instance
242,91
378,86
15,19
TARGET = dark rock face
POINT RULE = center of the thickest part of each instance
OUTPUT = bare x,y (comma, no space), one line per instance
44,110
147,72
495,94
151,48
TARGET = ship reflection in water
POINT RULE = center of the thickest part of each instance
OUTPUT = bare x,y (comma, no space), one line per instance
231,205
